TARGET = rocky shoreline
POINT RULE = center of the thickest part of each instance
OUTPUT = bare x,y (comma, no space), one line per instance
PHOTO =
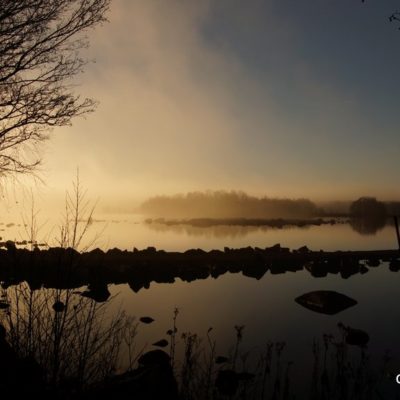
68,268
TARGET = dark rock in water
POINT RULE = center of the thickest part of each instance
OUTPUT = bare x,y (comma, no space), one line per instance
161,343
18,374
221,360
245,376
373,262
349,267
31,374
154,357
317,269
146,320
278,267
58,306
394,265
227,382
303,250
150,250
254,271
274,248
136,285
10,245
325,301
98,293
194,252
156,377
363,269
97,252
152,380
11,248
356,337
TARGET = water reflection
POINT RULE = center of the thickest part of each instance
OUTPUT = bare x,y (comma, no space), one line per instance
70,339
364,225
66,268
73,352
231,228
368,225
220,231
131,232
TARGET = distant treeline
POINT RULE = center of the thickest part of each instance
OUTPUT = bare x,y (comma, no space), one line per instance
222,204
235,204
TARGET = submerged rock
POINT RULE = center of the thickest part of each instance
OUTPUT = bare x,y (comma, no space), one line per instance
161,343
146,320
357,337
221,360
325,301
227,382
58,306
154,357
98,293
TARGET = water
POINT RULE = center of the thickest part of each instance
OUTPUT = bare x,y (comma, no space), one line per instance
265,307
126,232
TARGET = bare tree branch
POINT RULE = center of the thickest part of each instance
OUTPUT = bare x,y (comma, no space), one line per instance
40,44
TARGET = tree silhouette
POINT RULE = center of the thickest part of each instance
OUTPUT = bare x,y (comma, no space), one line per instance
368,215
367,207
40,43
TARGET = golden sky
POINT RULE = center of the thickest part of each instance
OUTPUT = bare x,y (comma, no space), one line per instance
259,96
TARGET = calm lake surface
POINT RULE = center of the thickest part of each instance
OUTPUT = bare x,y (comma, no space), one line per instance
266,307
126,232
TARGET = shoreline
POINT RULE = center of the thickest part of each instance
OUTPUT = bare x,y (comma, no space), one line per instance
67,268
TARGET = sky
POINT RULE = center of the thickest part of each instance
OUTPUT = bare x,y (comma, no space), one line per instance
276,97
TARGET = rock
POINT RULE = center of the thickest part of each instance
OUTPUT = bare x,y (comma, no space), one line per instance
146,320
227,382
356,337
325,301
394,265
363,269
154,357
303,250
58,306
161,343
97,292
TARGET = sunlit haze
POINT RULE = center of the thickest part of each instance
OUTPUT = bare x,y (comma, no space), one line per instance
276,98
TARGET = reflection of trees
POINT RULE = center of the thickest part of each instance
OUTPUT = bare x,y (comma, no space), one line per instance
217,231
70,337
368,215
368,225
220,231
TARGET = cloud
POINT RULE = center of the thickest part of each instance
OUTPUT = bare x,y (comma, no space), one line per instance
201,95
167,98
